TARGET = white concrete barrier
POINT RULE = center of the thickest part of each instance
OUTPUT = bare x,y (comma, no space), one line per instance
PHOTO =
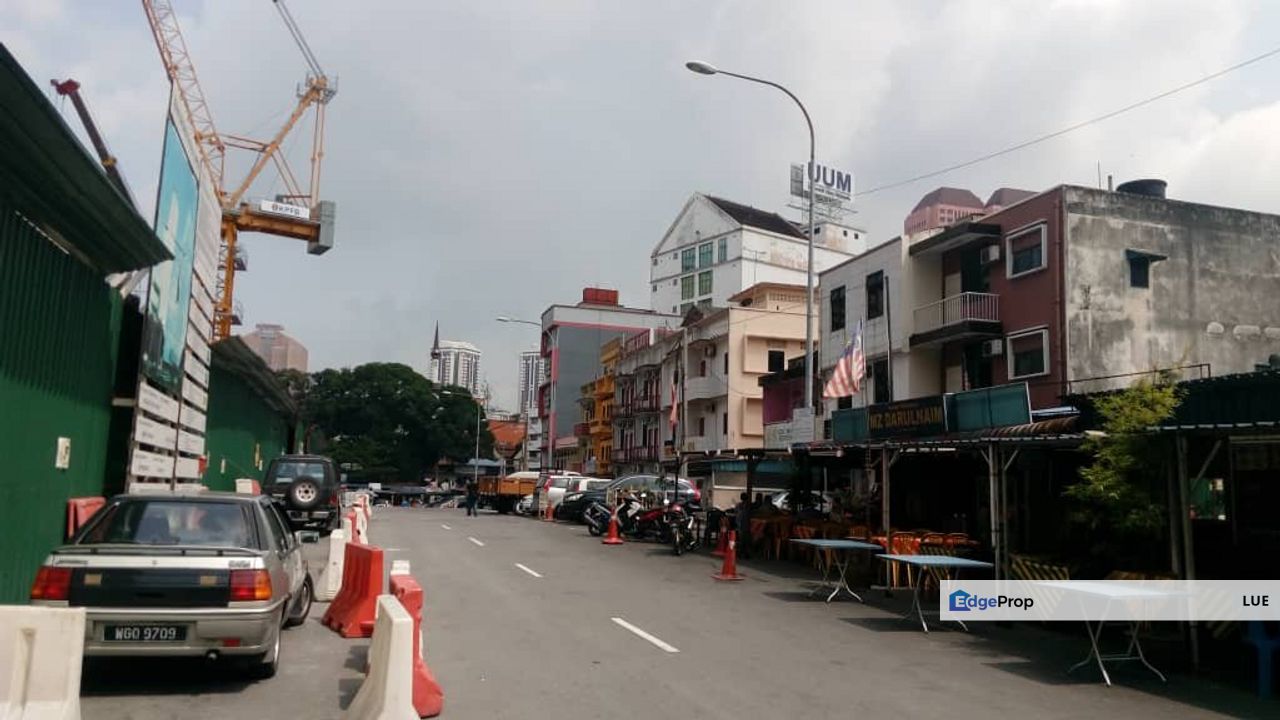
362,527
41,650
400,567
387,691
329,579
244,486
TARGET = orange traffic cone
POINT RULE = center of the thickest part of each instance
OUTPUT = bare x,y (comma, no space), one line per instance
729,571
612,538
722,545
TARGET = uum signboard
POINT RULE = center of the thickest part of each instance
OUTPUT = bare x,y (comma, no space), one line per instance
832,186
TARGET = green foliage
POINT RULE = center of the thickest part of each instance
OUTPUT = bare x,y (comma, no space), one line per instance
1113,490
385,415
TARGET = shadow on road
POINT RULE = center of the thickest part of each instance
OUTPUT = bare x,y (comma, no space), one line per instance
161,676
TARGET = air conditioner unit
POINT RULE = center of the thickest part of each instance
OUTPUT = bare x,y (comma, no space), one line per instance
990,254
993,348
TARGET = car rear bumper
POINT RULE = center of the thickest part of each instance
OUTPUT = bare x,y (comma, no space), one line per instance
228,631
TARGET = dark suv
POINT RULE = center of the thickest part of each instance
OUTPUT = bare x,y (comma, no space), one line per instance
306,486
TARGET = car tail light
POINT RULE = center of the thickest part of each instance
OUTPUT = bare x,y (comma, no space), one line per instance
697,495
248,585
52,583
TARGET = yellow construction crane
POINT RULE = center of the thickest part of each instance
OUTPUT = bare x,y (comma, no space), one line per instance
297,213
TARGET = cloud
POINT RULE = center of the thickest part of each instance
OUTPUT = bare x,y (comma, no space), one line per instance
494,158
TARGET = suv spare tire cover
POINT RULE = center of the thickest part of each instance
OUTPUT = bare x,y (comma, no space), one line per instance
304,493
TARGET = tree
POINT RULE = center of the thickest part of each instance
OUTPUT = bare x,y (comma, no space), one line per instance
1113,492
390,420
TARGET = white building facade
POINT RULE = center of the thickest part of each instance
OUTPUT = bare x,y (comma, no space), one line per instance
530,378
458,364
877,289
717,248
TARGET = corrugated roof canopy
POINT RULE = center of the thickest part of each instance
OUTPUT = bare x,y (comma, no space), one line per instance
234,356
49,177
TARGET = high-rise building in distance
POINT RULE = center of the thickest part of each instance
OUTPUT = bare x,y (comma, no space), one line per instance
530,378
277,350
458,364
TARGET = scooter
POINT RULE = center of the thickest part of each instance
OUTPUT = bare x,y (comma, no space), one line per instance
680,524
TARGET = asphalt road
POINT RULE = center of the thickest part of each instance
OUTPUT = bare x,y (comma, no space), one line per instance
527,619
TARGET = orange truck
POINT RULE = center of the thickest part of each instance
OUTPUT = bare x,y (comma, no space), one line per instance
502,493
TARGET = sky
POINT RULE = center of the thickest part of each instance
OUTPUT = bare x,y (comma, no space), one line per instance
493,158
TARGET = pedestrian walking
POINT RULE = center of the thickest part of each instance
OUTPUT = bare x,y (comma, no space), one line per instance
473,496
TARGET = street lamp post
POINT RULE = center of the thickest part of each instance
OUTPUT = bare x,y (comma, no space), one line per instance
525,453
706,69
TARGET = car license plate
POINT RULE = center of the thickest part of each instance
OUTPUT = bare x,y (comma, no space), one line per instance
144,633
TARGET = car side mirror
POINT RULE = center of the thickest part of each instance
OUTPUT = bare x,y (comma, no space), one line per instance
308,537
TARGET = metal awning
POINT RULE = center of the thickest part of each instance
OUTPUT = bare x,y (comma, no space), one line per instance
957,235
48,176
1057,432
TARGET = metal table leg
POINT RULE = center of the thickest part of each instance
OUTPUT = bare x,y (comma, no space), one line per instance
1095,654
826,574
843,583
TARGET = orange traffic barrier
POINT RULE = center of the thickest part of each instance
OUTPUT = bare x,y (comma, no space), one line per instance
551,512
428,698
729,570
79,510
351,614
613,538
722,543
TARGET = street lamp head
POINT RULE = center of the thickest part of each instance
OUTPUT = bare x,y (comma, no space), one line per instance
701,68
503,318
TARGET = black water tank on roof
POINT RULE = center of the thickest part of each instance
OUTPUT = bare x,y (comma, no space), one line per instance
1149,187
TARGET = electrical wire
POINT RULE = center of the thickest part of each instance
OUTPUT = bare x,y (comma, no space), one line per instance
1073,128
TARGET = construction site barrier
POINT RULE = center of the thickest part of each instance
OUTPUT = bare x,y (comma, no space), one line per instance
428,698
41,650
351,614
400,567
79,510
387,691
329,581
362,526
248,486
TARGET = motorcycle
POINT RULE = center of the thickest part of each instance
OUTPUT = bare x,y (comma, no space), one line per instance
679,521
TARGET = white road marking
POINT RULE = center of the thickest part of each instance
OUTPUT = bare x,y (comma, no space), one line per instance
477,542
446,527
659,643
531,572
392,549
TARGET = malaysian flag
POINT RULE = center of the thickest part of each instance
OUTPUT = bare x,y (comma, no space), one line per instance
675,406
846,379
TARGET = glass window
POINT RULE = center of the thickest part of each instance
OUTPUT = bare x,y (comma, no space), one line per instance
844,403
880,381
686,307
688,259
777,361
686,287
704,283
722,249
875,294
724,424
837,308
1026,251
705,256
726,363
167,522
1139,272
1028,354
278,527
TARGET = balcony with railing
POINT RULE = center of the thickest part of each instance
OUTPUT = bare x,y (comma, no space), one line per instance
967,315
705,387
582,429
647,404
644,454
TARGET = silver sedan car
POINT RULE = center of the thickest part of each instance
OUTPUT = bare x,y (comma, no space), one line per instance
202,574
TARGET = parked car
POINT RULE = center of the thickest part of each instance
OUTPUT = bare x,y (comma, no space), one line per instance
525,506
578,495
820,501
202,574
552,488
307,487
654,486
